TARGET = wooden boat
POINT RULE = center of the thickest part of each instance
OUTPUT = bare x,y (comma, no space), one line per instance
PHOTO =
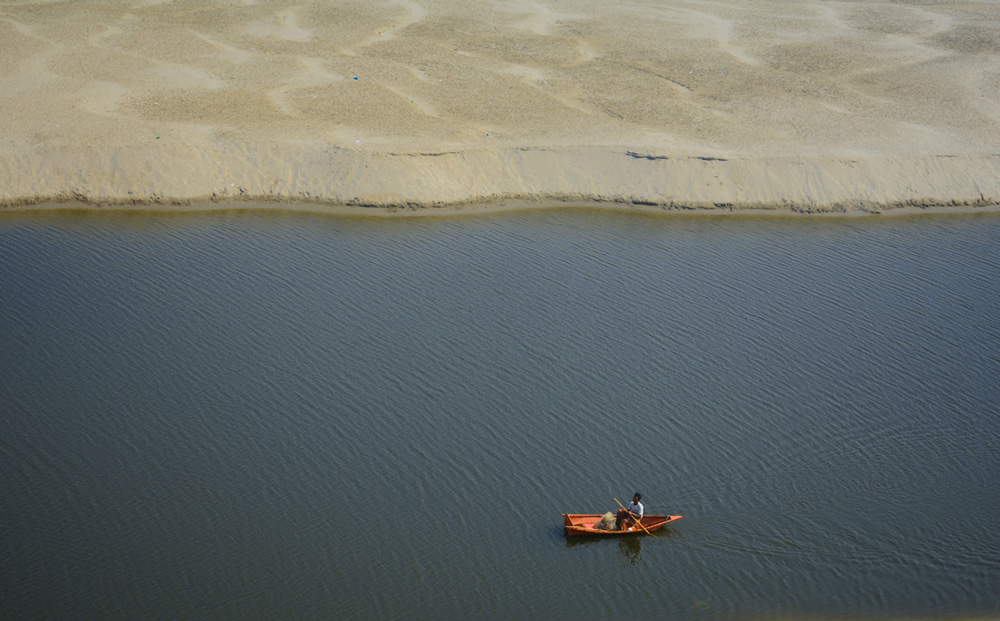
583,524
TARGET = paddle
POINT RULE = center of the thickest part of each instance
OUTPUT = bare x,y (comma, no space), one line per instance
638,521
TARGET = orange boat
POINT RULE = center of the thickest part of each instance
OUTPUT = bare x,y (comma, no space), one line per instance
583,524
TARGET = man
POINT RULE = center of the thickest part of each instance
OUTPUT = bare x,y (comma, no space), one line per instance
627,518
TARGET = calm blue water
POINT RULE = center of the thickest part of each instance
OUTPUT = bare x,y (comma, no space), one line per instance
247,415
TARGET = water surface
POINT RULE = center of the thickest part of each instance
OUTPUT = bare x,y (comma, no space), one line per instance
267,415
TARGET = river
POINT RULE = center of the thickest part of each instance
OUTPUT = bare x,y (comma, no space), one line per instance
273,415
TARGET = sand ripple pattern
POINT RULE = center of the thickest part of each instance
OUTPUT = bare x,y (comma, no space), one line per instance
172,101
730,73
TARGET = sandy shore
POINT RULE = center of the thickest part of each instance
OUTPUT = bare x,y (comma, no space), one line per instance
803,105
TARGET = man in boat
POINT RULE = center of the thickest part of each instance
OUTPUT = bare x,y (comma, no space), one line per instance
626,518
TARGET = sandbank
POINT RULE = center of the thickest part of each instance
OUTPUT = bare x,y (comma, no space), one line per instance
803,106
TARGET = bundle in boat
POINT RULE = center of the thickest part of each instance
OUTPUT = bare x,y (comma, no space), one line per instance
607,522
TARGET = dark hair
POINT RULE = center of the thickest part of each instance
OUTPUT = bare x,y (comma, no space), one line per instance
638,495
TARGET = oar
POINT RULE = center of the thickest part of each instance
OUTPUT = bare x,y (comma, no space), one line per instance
638,521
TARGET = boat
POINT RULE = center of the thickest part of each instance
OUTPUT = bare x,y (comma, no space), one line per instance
584,524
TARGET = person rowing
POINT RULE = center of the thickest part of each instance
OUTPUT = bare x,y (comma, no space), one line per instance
627,518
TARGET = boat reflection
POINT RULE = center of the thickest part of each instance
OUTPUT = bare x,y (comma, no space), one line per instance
629,547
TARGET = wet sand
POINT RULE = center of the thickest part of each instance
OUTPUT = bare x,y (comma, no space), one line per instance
804,106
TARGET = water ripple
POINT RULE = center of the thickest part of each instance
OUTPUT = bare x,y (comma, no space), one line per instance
235,414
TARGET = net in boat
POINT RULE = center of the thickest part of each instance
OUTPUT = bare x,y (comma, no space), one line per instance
607,522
